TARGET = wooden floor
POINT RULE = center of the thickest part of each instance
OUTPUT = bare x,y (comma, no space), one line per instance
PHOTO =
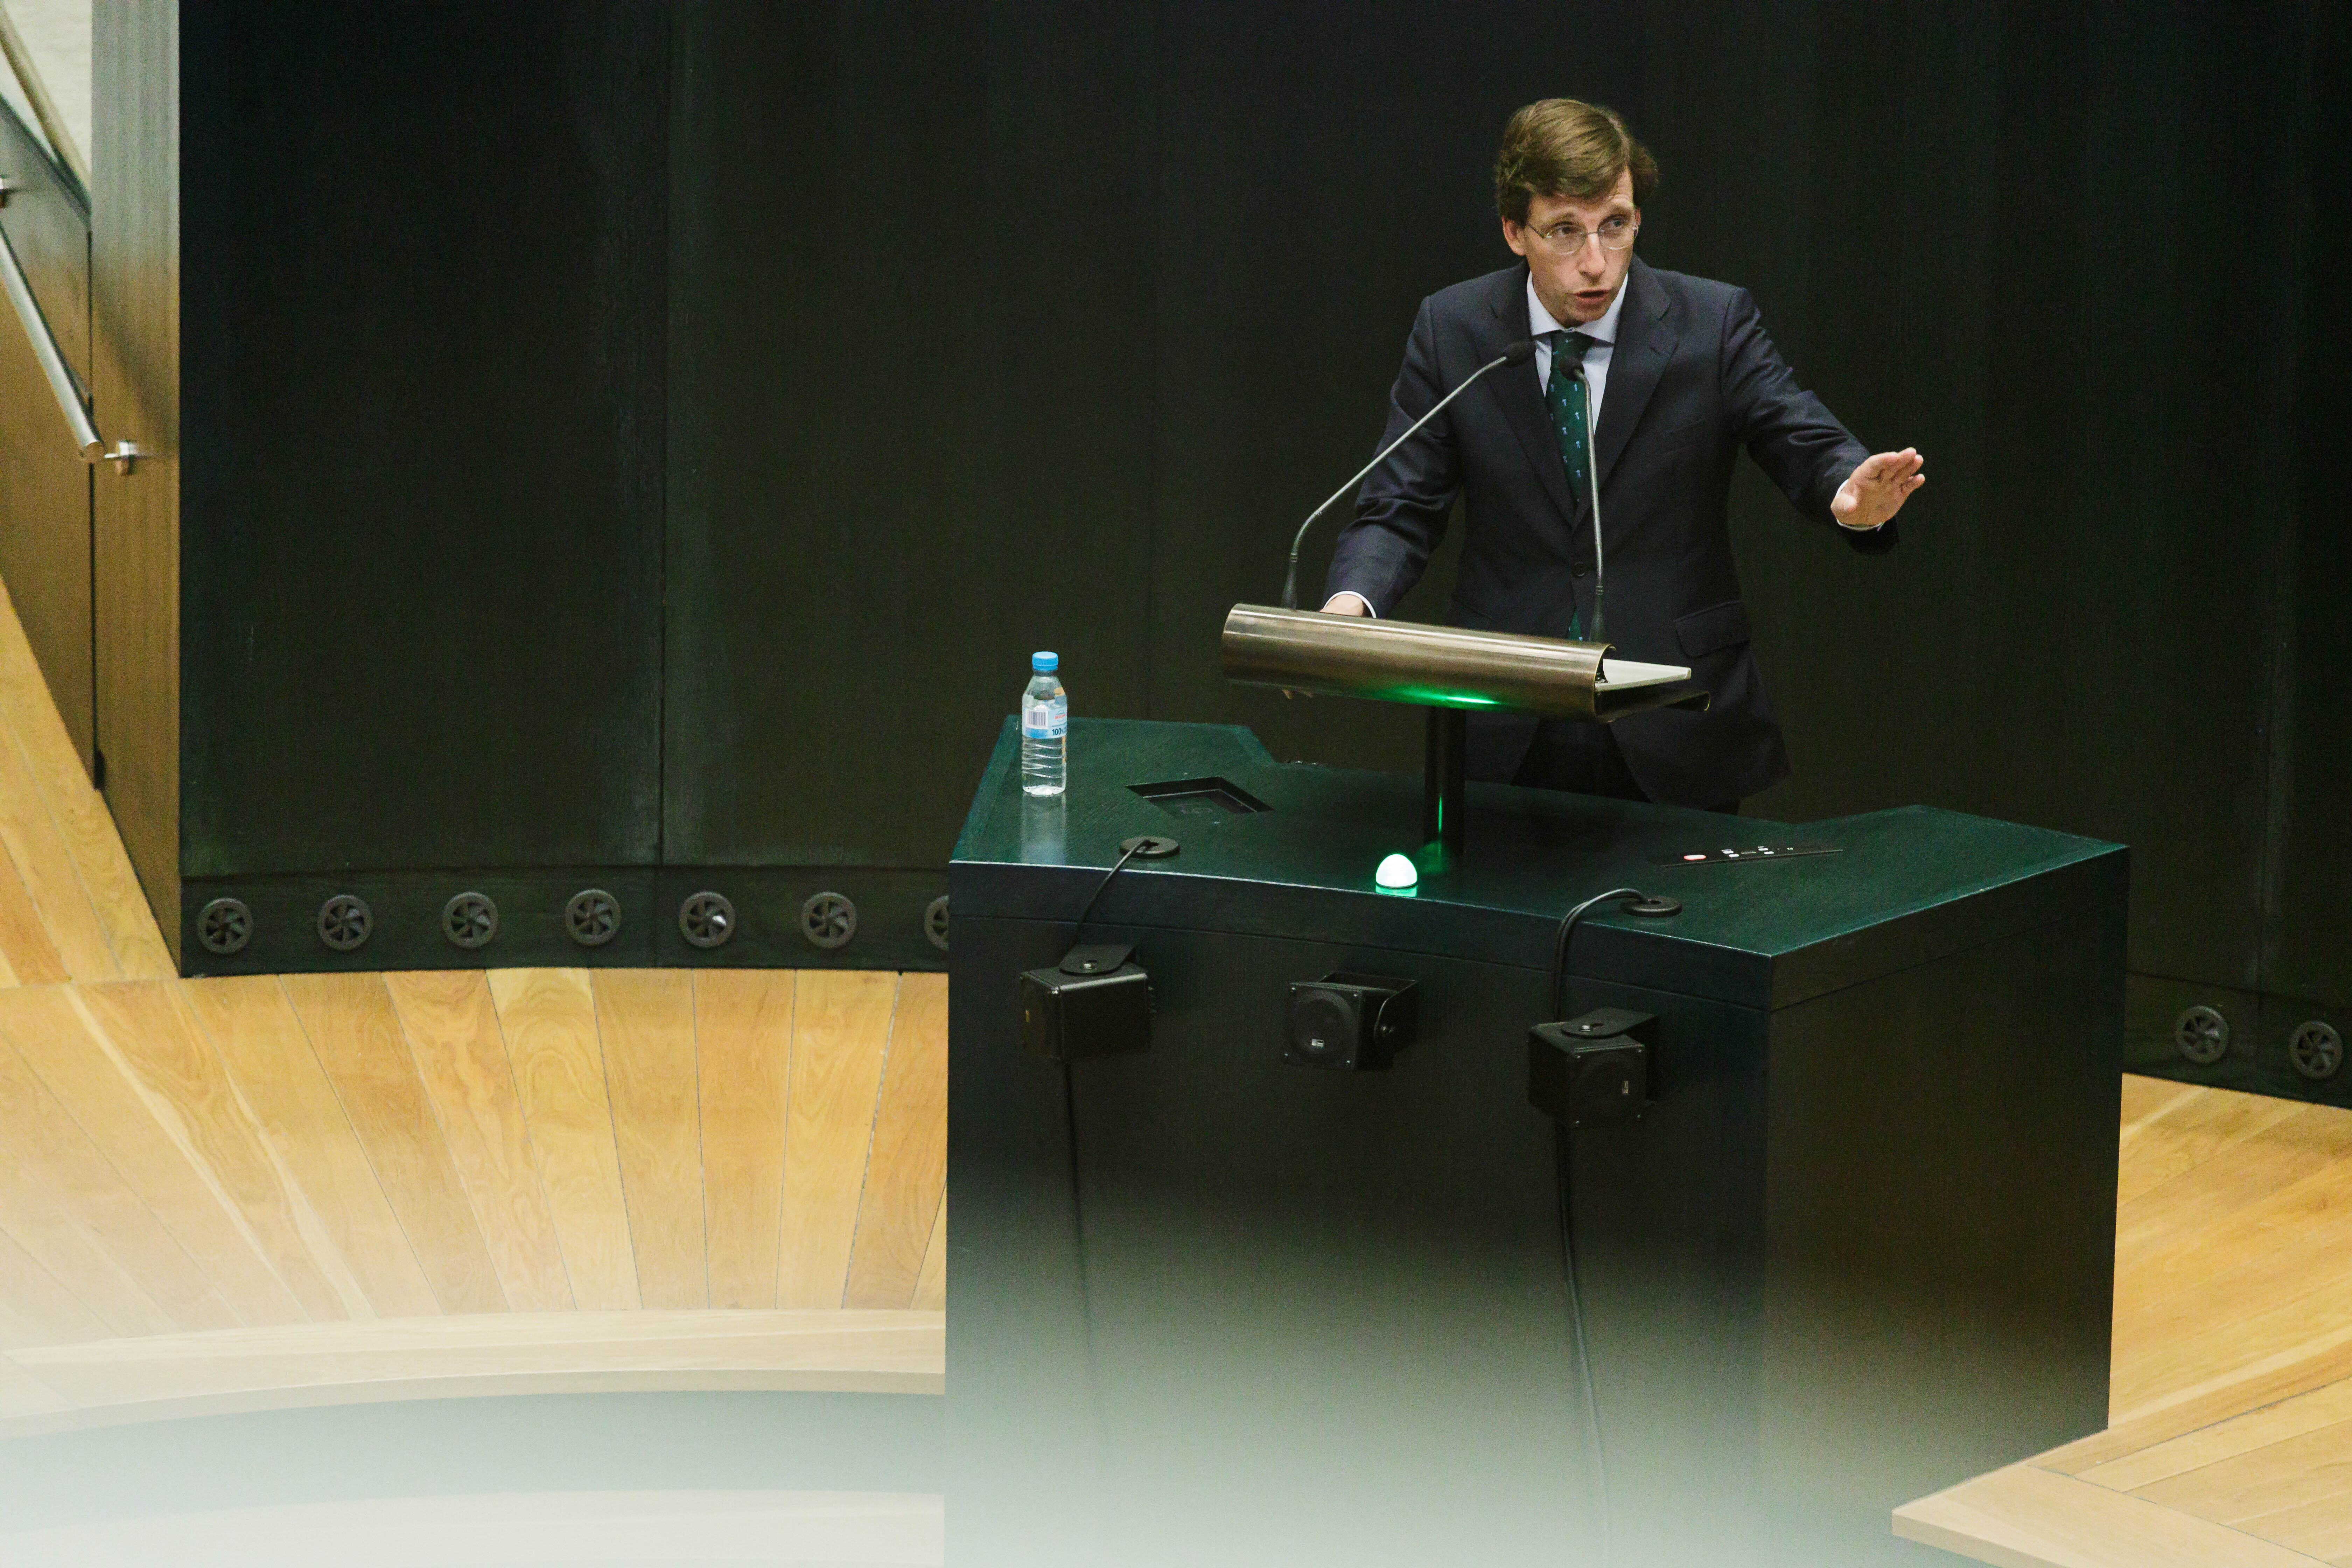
226,1193
2231,1438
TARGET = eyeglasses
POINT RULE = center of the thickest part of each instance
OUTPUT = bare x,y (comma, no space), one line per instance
1614,233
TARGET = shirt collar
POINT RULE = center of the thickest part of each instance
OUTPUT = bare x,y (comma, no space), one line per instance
1604,331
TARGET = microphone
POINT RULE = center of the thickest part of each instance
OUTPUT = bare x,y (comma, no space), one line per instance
1517,353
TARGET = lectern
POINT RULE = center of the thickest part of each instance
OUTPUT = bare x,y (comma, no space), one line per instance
1218,1300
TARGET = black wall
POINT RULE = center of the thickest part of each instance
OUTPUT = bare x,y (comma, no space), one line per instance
422,259
699,511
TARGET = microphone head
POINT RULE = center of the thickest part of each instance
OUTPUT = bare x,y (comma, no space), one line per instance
1521,353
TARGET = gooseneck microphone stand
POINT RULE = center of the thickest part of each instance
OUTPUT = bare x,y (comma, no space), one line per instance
1517,354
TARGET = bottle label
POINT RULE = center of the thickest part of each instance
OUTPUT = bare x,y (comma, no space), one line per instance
1044,721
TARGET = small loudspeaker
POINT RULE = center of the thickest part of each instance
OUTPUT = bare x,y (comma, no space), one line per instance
1593,1071
1095,1002
1351,1023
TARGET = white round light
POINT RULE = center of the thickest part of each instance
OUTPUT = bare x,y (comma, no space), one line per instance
1396,871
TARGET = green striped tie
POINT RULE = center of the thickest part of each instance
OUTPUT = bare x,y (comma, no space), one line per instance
1566,396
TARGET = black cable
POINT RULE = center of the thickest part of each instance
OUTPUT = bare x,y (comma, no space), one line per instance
1562,1152
1560,949
1077,1191
1116,866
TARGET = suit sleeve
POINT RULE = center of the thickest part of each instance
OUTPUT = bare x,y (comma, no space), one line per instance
1401,510
1790,433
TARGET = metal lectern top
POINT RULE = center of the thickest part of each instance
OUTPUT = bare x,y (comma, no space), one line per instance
1442,666
1449,670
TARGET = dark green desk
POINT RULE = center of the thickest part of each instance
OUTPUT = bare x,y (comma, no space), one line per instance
1210,1306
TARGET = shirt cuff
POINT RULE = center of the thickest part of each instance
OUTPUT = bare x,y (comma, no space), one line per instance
1350,593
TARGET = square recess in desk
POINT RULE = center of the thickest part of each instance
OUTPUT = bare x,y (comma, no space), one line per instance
1201,799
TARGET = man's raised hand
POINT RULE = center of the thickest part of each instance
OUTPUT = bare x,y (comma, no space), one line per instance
1877,487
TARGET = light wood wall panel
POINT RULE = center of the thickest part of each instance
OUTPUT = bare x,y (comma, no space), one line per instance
906,1166
22,1394
49,1147
744,1032
841,1036
77,812
195,1171
2026,1516
147,1028
646,1018
253,1026
510,1352
932,1284
2289,1418
134,306
43,1223
356,1035
37,849
548,1017
51,1032
2231,1438
453,1032
34,1309
28,956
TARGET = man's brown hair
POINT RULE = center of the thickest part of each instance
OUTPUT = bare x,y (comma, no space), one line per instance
1563,147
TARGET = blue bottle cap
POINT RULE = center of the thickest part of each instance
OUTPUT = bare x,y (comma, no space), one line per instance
1043,662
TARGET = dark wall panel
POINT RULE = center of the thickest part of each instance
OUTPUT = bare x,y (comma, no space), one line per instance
2059,249
910,408
1324,166
1994,255
632,434
2309,920
423,297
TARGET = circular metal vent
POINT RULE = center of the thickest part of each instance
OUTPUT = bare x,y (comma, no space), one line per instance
345,922
706,920
592,917
935,922
225,926
2203,1035
829,919
470,920
2316,1051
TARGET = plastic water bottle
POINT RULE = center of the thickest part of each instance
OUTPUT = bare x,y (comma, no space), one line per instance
1045,729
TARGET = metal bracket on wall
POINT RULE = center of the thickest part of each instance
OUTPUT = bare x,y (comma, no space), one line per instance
829,920
2203,1035
224,926
706,920
2316,1050
935,922
345,922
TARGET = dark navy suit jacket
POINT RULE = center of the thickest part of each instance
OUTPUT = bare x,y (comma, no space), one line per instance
1692,379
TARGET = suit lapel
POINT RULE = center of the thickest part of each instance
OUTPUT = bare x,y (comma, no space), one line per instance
1520,390
1645,340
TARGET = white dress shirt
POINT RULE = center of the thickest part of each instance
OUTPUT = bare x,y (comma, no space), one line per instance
1603,334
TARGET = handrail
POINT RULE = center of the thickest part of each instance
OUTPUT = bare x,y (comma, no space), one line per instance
62,380
44,108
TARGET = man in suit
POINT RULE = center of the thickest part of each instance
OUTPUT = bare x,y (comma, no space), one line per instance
1681,375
